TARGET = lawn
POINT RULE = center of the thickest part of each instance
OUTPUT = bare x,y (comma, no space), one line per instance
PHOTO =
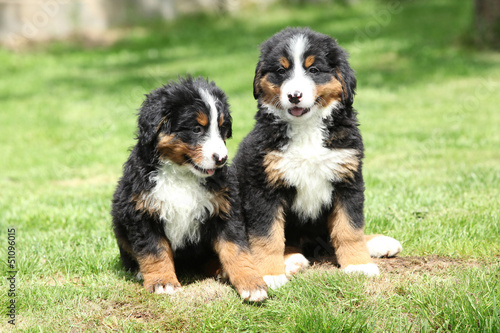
428,106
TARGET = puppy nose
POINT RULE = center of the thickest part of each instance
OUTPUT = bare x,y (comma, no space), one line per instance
219,160
295,97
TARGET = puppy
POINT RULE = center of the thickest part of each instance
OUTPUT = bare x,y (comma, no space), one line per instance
177,202
299,170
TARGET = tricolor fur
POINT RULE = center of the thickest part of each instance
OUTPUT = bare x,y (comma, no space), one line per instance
177,202
299,170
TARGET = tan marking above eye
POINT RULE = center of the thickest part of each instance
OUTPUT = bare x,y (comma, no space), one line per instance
309,61
284,62
202,119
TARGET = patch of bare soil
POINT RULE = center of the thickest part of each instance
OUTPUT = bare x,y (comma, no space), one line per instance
423,264
409,264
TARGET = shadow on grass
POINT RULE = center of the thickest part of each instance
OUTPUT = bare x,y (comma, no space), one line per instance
185,275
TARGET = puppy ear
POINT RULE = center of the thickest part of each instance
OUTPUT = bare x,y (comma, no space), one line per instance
153,115
256,80
230,131
348,80
337,58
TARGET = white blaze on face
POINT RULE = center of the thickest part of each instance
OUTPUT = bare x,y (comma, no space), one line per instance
299,81
213,144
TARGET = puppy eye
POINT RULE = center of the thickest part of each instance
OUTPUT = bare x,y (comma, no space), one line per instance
197,129
281,71
313,70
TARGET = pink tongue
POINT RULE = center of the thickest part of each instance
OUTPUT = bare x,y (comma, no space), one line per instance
296,111
210,171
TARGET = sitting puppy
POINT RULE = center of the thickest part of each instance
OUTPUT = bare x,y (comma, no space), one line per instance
177,203
299,170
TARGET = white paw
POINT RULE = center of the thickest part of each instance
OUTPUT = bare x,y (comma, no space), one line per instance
167,289
295,263
275,281
139,276
383,246
257,295
366,269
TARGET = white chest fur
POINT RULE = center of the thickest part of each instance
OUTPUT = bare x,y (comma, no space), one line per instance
181,202
311,168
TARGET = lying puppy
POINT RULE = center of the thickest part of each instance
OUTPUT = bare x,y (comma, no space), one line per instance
177,202
299,170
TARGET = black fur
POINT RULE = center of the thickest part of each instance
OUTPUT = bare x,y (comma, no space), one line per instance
260,199
172,110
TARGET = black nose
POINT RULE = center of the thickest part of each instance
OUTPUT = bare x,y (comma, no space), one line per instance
219,160
295,97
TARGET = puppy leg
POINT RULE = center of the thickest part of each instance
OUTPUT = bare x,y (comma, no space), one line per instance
128,260
294,261
158,270
381,246
237,264
349,242
268,251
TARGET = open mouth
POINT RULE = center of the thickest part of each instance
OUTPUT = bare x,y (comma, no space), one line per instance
208,172
298,112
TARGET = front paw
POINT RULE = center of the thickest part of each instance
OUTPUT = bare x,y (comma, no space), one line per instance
383,246
251,289
254,295
162,285
295,263
275,281
168,289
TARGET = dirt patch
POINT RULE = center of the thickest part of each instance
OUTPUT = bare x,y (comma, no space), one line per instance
401,276
423,264
213,291
59,280
409,264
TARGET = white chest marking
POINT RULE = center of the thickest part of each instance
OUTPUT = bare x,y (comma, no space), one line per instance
310,167
181,202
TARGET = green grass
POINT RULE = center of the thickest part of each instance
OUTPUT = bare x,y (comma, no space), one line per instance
428,105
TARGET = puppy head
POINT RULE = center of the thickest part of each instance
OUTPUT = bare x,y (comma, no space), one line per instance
187,123
302,72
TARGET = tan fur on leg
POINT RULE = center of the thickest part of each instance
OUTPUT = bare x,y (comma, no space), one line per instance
158,270
349,243
269,251
239,267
